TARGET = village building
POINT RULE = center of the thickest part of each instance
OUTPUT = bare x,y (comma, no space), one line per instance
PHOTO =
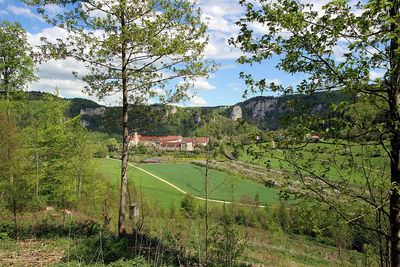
167,143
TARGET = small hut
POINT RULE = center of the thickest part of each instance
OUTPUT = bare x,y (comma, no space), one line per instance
133,210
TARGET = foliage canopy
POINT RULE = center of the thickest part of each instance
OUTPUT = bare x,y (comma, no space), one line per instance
349,47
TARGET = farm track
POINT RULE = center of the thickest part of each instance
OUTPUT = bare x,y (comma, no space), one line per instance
185,193
259,174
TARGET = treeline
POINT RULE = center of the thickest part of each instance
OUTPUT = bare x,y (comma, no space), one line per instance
46,158
165,120
160,120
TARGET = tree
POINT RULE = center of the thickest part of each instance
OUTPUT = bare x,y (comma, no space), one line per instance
189,205
307,41
16,69
17,63
133,47
15,182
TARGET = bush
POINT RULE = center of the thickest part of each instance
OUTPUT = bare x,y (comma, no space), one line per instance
282,215
37,204
226,244
189,204
6,228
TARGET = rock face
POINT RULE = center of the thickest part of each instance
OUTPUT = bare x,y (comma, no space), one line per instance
173,110
236,113
260,107
92,111
197,118
85,123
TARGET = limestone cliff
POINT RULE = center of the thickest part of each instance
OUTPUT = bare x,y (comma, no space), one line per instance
259,107
92,111
236,113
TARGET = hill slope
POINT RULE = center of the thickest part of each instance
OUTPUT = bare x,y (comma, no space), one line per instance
265,113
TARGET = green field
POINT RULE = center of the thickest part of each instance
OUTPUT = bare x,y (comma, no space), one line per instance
222,185
334,161
151,188
189,178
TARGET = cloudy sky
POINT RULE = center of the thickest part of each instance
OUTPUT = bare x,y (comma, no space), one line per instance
224,87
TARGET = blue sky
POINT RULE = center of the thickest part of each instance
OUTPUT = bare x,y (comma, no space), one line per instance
224,87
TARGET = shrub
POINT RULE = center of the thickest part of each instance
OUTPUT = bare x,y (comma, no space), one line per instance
189,204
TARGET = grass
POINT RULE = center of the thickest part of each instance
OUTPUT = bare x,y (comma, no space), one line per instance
189,178
150,187
281,249
333,160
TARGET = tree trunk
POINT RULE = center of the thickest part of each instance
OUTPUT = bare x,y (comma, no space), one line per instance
7,89
208,155
15,215
80,183
206,189
124,163
393,96
37,173
394,206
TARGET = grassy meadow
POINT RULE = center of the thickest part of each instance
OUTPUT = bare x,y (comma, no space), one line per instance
338,162
222,186
150,187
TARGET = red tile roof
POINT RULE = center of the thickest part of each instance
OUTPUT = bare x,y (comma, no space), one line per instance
148,138
172,140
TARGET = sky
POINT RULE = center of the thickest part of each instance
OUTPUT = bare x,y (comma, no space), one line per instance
224,87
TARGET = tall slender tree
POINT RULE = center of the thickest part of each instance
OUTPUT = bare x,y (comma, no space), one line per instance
348,46
15,179
132,47
17,63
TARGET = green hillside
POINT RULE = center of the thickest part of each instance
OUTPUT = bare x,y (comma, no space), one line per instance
265,113
222,186
189,178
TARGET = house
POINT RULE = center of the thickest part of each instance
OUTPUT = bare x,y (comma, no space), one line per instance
168,143
314,138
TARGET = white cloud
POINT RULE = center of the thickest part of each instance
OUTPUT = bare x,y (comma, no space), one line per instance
197,101
21,11
3,12
375,74
235,89
61,69
202,85
58,73
66,87
228,66
53,9
219,49
317,5
219,24
220,18
275,81
52,34
339,50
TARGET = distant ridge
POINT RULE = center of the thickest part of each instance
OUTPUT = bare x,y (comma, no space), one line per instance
262,112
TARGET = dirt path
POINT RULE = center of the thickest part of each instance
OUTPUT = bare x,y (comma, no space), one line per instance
31,253
184,192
